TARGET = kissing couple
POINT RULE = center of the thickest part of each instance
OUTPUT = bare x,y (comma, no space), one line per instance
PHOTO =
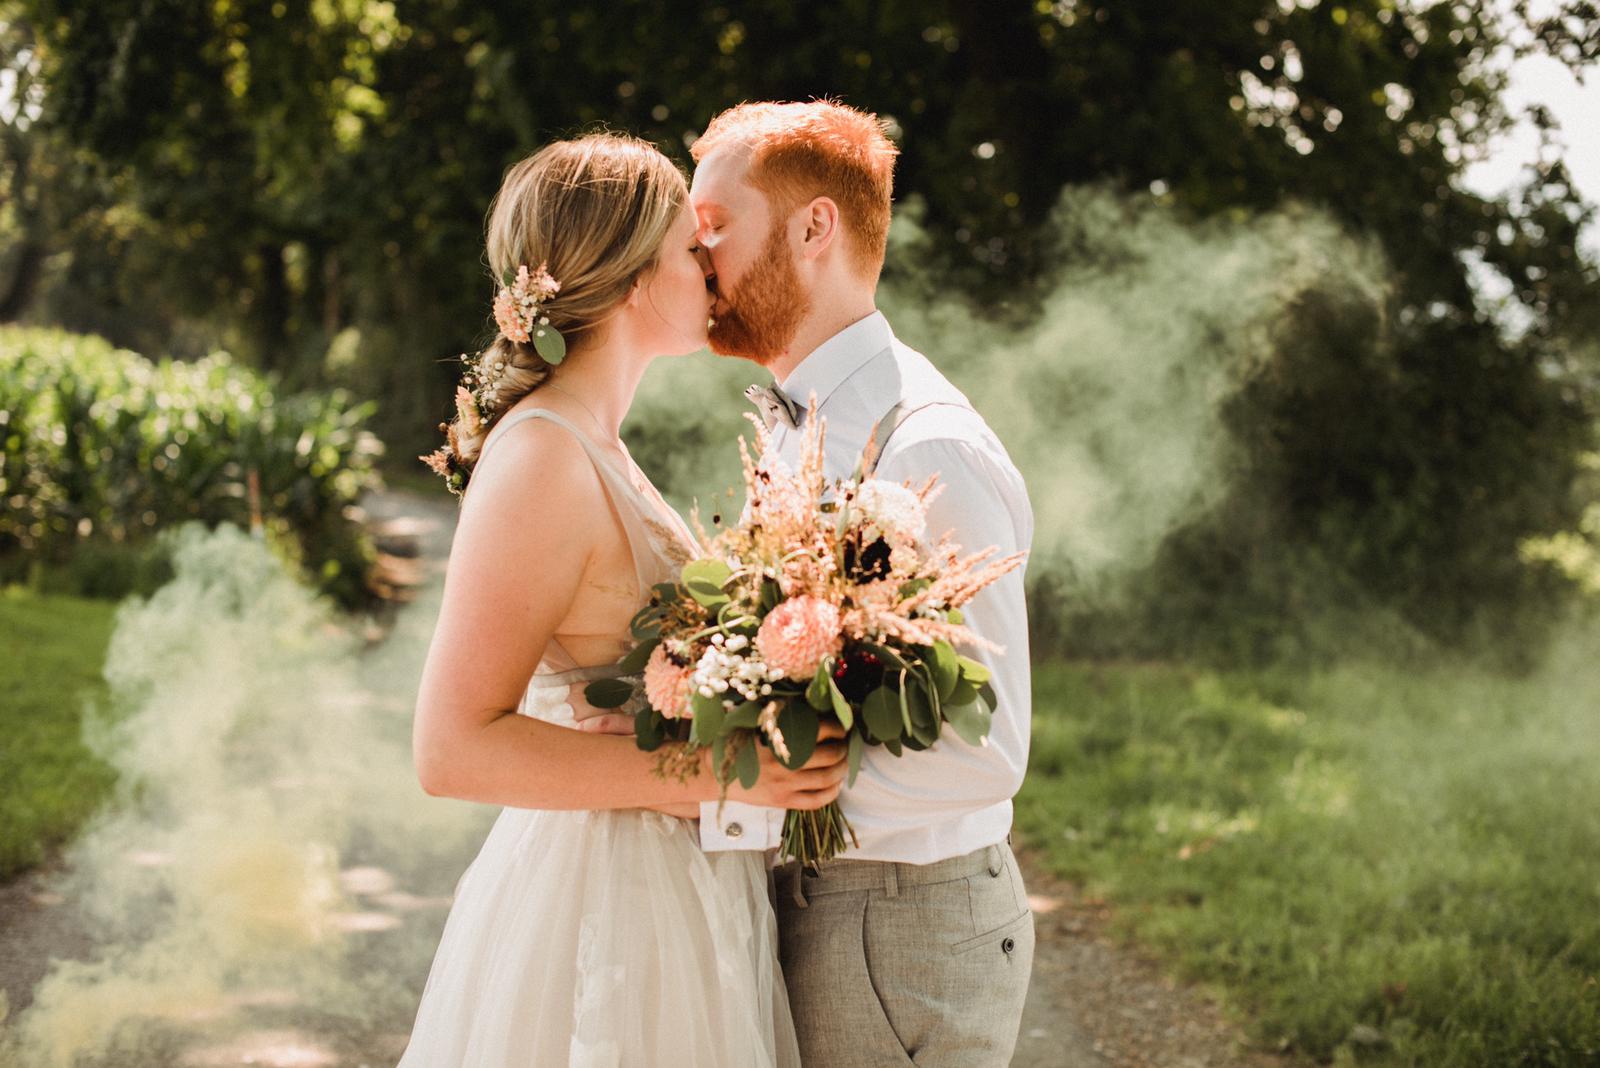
616,918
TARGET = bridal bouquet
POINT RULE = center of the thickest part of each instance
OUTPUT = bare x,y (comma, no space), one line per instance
826,599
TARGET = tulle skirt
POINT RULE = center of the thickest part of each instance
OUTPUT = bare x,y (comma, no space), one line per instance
605,940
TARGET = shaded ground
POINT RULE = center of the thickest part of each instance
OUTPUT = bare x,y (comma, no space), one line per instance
1092,1004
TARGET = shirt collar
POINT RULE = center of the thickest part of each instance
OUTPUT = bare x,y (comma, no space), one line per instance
837,358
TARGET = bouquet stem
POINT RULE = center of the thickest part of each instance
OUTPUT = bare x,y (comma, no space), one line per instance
815,835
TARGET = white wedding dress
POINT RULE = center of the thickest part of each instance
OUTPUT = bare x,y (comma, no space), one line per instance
605,939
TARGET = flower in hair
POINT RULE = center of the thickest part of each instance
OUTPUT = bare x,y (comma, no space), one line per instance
519,311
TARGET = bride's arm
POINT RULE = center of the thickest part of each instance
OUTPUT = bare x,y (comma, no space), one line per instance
518,558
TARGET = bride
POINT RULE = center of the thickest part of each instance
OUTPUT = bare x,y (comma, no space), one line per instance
591,929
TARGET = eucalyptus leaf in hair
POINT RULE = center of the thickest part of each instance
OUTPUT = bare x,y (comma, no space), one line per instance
552,347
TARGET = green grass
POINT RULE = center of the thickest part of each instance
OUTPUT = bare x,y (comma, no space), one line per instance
1374,866
54,648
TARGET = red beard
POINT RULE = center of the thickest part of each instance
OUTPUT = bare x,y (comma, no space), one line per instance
759,319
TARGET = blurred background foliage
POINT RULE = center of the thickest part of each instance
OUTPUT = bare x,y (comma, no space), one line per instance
303,183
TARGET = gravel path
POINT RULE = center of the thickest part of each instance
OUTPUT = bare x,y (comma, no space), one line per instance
1092,1003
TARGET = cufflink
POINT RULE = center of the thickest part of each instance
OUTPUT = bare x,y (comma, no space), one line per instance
733,830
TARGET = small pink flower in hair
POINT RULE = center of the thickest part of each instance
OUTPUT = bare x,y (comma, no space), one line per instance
467,412
519,312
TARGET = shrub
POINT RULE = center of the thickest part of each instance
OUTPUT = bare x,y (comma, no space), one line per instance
100,447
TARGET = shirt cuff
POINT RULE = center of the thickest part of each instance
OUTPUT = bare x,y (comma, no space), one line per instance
739,826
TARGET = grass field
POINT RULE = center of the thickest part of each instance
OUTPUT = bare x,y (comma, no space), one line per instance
54,647
1374,866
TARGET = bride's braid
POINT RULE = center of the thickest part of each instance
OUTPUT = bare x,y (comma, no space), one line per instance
593,213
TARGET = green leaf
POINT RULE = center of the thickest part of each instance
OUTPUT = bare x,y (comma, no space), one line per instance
856,747
924,721
799,724
708,718
893,745
635,661
956,616
881,710
719,750
946,667
914,587
649,729
748,763
713,571
552,347
841,707
975,672
704,579
817,693
608,693
970,720
771,596
747,715
667,592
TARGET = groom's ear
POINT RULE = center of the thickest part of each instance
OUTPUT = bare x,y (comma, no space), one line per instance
821,227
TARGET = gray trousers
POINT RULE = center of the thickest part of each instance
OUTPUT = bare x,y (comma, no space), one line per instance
907,964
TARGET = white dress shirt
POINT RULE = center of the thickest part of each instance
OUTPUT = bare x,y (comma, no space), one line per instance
952,798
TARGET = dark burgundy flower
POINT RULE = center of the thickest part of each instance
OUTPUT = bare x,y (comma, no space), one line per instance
858,674
869,563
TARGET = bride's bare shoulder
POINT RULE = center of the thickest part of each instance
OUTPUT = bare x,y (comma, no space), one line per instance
535,466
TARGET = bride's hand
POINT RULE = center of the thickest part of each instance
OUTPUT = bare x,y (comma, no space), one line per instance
593,720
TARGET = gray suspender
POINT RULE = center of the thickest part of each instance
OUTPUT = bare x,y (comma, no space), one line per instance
885,428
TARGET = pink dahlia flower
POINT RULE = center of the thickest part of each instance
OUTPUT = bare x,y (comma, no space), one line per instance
798,636
666,685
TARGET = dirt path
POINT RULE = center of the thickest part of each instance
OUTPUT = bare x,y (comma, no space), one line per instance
1092,1004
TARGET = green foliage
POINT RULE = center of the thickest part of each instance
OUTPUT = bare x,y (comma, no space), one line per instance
102,448
1390,456
55,647
1411,851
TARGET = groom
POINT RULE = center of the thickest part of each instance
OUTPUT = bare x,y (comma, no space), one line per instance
916,947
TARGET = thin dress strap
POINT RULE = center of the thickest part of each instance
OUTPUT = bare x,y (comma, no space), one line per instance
660,542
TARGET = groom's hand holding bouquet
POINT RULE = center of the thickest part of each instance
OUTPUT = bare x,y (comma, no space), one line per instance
827,608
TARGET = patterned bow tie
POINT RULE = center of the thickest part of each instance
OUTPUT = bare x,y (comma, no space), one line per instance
774,404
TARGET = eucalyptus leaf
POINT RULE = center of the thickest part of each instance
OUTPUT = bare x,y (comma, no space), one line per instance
711,572
853,751
975,672
707,595
746,715
635,661
924,723
771,596
964,693
608,693
708,717
799,724
881,710
551,346
748,763
970,720
841,707
893,745
649,729
817,693
946,668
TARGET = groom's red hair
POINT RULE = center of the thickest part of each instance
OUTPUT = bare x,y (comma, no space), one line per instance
819,148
